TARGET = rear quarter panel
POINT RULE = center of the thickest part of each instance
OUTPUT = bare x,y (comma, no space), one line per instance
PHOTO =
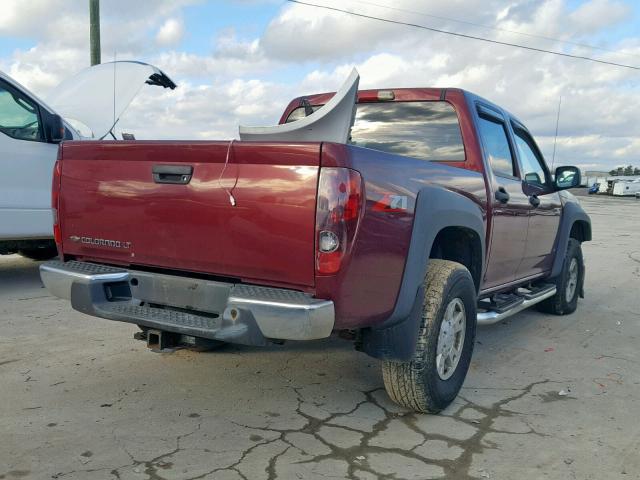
366,289
365,292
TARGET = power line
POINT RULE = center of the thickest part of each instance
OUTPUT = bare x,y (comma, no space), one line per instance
463,35
497,29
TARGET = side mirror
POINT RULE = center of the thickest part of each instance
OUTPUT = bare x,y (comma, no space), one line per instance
567,177
533,178
54,128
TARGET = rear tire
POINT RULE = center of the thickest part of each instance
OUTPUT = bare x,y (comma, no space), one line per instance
40,253
431,380
568,284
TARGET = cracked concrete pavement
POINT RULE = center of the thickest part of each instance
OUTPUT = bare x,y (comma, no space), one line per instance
80,399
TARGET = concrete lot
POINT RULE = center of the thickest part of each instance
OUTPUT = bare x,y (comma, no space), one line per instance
80,399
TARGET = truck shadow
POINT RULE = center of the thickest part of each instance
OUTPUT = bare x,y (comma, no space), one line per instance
18,274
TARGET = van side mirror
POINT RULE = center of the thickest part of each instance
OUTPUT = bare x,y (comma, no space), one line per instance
54,128
567,177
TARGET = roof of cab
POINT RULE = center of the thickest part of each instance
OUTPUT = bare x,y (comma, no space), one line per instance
400,95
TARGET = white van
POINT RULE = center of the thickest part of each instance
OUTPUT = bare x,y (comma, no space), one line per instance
626,188
84,107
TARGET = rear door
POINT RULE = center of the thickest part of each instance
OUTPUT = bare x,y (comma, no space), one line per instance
510,205
544,214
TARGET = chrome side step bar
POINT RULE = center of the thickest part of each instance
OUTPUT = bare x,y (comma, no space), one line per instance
490,317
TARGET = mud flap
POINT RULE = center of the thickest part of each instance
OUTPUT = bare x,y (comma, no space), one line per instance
395,342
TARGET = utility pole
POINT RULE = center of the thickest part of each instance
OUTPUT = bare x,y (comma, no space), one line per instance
94,31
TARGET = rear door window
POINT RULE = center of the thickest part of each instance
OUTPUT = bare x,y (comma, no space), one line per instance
496,146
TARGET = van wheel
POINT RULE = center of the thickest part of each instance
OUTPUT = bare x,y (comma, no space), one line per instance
568,284
43,253
431,380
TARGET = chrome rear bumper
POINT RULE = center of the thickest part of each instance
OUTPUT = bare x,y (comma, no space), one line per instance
237,313
59,277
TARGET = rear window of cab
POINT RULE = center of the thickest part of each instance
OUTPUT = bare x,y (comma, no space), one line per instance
423,130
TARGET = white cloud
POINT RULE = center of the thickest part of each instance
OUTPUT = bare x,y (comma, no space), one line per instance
59,29
597,14
205,112
17,17
231,58
305,50
301,34
170,33
41,68
598,101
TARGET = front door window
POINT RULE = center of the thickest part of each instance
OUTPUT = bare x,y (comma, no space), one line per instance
19,116
533,171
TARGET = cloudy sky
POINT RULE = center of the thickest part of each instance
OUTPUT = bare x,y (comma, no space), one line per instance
240,62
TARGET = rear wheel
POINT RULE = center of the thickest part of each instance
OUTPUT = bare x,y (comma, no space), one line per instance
431,380
40,253
568,284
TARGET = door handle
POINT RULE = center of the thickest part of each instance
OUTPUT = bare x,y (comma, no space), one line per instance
502,195
534,200
174,174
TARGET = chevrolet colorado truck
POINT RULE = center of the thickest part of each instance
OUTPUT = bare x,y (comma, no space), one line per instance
439,214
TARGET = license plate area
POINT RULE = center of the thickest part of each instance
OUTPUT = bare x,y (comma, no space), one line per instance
179,292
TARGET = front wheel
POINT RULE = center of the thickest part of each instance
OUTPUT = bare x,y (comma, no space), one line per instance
568,284
431,380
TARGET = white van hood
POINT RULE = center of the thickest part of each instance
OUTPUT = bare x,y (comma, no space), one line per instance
97,96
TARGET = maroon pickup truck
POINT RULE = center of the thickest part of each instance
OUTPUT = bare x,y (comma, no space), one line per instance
438,215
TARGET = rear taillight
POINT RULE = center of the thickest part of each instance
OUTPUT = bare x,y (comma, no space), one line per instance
337,215
55,199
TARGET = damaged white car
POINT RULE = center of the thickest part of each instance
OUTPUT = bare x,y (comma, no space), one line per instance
84,107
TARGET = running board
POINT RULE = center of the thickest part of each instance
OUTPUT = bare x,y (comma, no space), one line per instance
491,316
